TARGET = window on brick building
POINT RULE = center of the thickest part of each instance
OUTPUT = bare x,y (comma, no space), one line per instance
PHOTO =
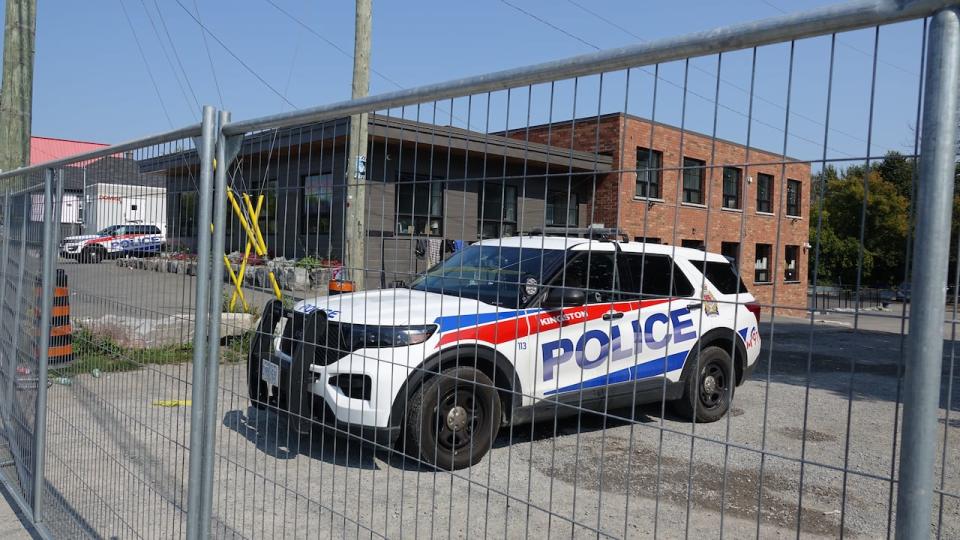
649,172
562,209
419,205
317,204
791,269
793,198
731,250
692,243
693,180
498,210
647,239
731,187
764,192
761,266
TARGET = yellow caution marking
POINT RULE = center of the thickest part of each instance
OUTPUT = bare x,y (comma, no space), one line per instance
172,403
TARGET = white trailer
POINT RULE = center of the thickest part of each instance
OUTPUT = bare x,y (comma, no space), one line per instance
118,204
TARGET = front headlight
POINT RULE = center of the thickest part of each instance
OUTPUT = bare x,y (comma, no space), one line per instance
374,337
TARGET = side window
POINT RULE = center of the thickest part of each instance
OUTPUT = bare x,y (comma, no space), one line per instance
595,273
152,229
651,276
723,275
121,230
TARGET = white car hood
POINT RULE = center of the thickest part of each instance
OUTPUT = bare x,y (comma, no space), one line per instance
81,238
399,307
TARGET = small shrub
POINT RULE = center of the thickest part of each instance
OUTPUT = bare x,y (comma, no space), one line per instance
313,263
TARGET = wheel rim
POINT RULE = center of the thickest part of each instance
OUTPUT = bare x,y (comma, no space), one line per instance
713,385
458,416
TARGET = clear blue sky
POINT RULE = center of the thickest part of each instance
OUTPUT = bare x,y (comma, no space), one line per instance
91,82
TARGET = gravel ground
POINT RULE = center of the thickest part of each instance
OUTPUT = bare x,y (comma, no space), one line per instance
117,464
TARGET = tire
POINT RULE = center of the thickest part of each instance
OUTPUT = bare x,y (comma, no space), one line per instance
256,388
92,255
709,388
453,419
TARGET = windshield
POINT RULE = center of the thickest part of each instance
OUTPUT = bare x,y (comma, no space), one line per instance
109,230
501,276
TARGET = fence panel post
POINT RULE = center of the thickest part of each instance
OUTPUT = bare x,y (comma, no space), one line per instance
925,342
196,526
216,301
51,219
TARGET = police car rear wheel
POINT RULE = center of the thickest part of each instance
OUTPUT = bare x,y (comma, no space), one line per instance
709,389
452,419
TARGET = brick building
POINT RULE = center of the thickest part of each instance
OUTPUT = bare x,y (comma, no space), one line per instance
431,183
688,189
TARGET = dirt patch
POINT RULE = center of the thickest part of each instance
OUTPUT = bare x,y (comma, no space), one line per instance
734,491
810,435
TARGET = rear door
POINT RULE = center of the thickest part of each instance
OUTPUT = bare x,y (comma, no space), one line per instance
665,323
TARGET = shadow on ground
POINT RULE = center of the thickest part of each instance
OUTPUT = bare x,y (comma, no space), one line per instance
863,364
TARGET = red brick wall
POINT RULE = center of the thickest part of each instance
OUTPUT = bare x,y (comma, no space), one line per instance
673,221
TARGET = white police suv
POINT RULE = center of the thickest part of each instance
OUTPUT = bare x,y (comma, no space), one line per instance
113,241
507,331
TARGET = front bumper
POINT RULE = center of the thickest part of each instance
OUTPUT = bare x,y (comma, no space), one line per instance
308,390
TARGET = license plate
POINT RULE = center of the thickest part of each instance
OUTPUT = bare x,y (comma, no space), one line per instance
270,373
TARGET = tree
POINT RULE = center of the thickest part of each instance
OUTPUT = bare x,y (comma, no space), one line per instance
885,224
897,169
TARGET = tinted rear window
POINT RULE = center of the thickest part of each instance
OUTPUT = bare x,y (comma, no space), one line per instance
723,276
651,276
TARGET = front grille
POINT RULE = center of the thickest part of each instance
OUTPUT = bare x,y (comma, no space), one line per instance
335,348
333,344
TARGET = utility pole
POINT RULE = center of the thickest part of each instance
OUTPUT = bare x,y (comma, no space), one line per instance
354,230
16,96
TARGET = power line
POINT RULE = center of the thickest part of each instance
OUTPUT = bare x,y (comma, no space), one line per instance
234,55
206,45
166,56
668,81
176,56
293,64
853,47
551,25
321,37
349,55
710,73
143,57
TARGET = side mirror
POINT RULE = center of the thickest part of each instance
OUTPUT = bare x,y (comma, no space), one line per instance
561,297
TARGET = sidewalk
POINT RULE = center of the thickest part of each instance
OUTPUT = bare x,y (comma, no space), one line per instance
14,525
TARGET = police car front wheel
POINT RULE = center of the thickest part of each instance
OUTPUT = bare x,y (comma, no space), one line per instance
709,388
453,418
92,255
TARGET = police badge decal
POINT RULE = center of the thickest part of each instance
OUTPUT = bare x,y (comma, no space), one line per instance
710,307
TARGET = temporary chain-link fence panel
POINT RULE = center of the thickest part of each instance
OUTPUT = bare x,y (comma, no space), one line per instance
105,352
690,287
20,300
583,300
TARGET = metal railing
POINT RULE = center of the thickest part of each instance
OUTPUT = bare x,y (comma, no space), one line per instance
197,363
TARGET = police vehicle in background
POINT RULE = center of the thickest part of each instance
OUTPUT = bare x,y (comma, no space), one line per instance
113,241
507,331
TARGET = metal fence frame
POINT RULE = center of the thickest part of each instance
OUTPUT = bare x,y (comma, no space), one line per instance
31,466
935,190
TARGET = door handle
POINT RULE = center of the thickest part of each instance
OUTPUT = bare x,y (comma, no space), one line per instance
612,315
694,307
